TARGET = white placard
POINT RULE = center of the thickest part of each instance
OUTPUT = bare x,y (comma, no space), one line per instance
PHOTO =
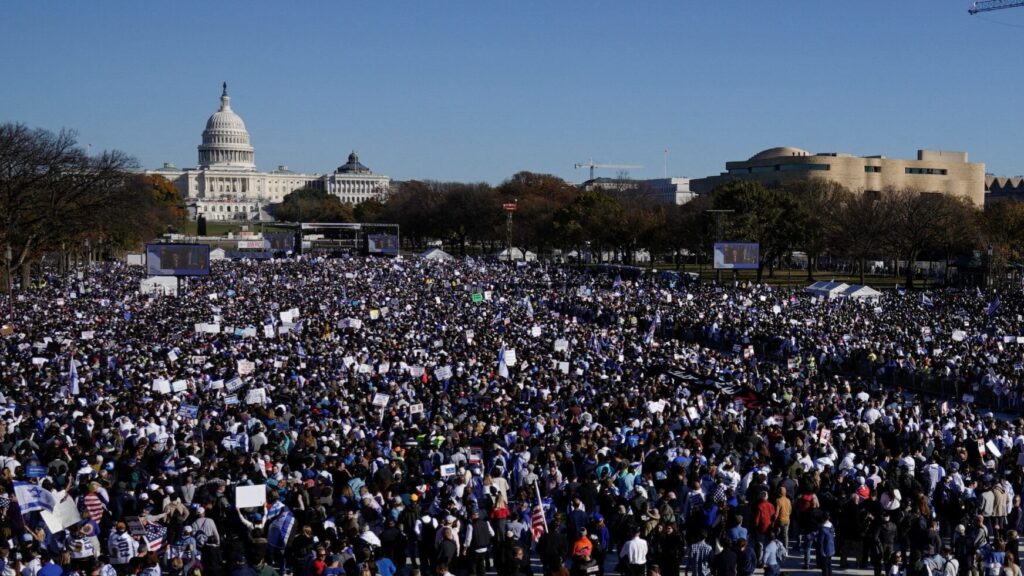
256,396
535,331
443,373
88,335
246,367
380,400
250,496
561,345
510,358
161,386
448,470
563,367
415,408
179,386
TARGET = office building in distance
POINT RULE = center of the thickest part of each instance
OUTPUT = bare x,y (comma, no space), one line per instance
933,171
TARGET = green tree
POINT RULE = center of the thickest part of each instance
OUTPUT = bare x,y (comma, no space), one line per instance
469,213
539,198
593,216
861,227
311,205
369,210
769,217
817,201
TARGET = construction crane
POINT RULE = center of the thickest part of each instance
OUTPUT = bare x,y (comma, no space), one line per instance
990,5
592,165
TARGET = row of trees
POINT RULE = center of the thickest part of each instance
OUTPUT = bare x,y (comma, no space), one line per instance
56,198
817,217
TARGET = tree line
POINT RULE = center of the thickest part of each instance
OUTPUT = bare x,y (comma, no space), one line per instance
819,218
56,198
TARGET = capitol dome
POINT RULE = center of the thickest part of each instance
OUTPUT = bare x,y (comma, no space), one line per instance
225,140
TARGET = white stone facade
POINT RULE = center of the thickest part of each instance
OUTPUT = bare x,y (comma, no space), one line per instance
225,183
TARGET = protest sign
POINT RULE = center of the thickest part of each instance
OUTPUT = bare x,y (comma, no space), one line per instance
250,496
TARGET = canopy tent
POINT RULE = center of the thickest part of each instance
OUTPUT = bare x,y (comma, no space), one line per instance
217,254
827,289
861,292
437,254
516,254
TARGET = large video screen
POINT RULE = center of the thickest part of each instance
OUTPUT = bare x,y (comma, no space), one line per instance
382,244
281,242
178,259
737,255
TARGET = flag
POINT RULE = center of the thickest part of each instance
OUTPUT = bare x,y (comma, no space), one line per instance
538,526
74,377
280,530
978,290
654,326
529,307
993,306
502,367
900,291
32,497
154,536
926,300
618,282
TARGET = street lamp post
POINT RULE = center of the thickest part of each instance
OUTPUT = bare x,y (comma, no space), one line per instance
510,208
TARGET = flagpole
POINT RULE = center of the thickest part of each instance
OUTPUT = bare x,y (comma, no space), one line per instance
540,503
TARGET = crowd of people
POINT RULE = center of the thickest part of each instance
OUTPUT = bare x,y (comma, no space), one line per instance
356,416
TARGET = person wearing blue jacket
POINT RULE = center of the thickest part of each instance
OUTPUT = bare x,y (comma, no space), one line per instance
826,545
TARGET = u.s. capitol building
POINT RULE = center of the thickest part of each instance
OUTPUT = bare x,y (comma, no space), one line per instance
225,185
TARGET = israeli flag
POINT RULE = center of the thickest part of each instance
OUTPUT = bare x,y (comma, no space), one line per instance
993,306
926,300
502,367
280,530
74,377
32,498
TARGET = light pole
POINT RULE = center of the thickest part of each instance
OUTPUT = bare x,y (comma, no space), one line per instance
718,238
510,208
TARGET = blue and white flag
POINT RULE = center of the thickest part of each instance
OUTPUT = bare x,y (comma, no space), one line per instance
978,290
529,307
993,306
900,290
281,530
502,367
617,283
32,498
926,300
73,376
654,326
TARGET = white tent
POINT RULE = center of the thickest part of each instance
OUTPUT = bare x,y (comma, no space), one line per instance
861,292
827,289
437,254
516,254
217,254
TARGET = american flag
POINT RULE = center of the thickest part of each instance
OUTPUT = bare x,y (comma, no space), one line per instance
154,536
537,524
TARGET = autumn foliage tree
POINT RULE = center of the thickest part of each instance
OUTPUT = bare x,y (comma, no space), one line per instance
54,196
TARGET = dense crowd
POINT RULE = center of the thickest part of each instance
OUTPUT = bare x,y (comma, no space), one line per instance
378,417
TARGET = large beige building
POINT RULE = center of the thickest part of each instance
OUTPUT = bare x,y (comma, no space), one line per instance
225,185
933,171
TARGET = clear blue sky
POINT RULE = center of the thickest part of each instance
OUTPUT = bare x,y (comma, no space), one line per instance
478,90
